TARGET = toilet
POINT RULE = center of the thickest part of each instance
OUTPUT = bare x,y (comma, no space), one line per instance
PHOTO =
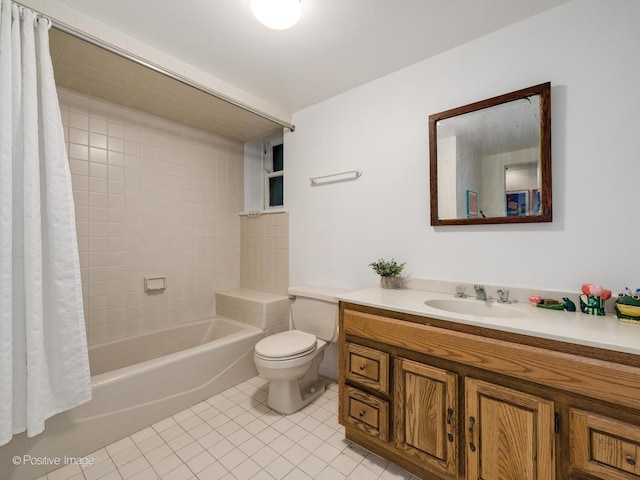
291,360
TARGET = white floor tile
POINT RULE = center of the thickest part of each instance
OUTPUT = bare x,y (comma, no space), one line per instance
200,462
330,473
210,439
344,464
146,474
265,456
134,467
119,446
295,454
279,468
99,470
150,443
188,452
213,472
167,464
312,465
235,436
232,459
126,456
247,469
180,473
326,452
282,444
65,473
221,448
180,441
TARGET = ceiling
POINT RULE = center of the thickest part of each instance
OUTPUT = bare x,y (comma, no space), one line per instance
337,45
83,67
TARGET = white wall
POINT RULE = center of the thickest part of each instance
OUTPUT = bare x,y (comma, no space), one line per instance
588,49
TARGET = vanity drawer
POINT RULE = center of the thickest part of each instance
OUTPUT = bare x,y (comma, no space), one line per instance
366,412
605,447
368,367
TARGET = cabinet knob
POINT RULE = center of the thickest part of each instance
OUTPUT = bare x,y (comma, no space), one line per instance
361,414
630,460
363,367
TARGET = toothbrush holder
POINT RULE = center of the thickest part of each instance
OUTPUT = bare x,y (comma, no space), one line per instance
592,304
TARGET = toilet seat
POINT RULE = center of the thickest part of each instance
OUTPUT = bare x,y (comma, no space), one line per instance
286,346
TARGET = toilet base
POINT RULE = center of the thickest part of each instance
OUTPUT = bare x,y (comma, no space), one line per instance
289,396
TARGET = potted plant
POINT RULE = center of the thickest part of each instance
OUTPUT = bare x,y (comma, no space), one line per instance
389,271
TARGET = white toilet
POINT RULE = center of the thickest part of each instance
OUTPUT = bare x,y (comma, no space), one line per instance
290,360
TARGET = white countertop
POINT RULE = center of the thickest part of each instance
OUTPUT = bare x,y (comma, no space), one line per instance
572,327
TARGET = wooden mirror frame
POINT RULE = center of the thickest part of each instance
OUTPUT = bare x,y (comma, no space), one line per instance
544,90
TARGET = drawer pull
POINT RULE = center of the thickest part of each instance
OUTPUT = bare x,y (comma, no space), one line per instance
362,414
449,415
472,422
630,460
363,367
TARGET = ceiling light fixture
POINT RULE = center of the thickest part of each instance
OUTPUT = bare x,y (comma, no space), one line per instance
277,14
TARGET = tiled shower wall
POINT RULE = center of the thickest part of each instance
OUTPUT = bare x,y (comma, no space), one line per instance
153,198
264,263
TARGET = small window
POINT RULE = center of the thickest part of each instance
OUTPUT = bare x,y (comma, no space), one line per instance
274,176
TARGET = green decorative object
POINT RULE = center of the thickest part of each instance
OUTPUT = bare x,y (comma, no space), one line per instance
628,307
592,304
569,306
389,271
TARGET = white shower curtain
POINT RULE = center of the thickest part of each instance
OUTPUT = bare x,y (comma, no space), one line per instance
44,368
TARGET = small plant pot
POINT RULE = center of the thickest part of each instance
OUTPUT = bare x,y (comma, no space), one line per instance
391,282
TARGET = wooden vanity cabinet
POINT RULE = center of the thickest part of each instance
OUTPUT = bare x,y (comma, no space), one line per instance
451,402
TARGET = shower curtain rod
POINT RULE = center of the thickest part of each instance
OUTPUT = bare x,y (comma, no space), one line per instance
99,43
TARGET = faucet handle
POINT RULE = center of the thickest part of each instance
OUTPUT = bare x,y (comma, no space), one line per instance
460,289
504,296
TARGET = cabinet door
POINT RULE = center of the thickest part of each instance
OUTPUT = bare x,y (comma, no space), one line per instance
510,434
605,447
425,418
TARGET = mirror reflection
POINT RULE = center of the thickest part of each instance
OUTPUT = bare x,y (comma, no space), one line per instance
490,161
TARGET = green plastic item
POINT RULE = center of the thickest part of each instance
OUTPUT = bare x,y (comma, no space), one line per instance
555,306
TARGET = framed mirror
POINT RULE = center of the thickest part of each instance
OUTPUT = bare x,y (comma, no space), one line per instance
490,161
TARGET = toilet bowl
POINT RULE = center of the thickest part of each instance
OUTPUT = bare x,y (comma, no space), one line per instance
291,360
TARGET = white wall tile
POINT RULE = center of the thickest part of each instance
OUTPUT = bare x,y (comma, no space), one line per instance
150,215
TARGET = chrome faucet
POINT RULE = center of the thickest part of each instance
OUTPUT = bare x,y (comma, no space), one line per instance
481,293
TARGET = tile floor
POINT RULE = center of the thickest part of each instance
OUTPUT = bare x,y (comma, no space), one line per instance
235,436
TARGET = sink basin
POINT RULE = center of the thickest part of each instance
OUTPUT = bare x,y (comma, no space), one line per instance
479,308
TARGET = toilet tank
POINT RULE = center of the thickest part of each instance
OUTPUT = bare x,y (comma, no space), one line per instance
315,310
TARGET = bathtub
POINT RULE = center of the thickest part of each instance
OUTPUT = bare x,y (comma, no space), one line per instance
137,381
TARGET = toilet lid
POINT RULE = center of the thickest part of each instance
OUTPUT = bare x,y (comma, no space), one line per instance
286,345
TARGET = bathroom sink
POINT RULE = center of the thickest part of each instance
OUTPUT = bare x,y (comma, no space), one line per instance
475,307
